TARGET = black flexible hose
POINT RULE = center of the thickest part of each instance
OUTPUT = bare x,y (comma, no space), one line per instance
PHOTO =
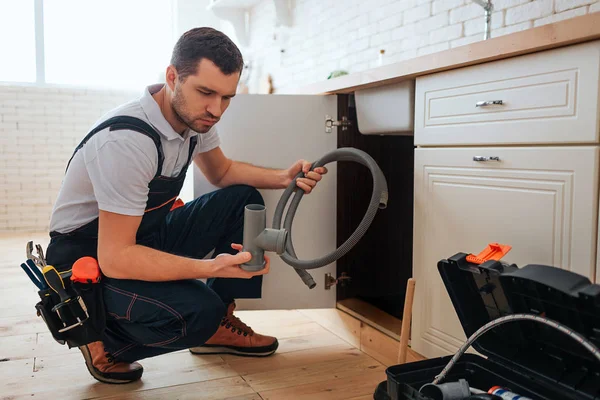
379,200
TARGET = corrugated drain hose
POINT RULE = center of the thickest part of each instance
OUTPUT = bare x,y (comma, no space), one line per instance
516,317
379,199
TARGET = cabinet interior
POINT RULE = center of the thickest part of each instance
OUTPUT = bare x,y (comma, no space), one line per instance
381,263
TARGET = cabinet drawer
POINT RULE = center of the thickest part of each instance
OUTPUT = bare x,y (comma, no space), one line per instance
547,97
540,200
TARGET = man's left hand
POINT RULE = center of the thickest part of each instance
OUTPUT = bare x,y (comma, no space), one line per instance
310,177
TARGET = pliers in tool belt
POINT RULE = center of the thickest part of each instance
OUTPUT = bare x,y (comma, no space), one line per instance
39,260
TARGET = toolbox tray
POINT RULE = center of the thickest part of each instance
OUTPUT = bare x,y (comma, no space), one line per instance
526,357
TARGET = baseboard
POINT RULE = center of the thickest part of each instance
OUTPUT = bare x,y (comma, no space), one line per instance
372,316
379,332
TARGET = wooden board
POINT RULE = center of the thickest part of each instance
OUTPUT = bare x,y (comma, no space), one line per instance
338,322
373,316
226,388
352,364
383,348
56,373
347,388
298,359
562,33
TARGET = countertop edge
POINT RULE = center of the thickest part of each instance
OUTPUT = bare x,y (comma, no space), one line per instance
563,33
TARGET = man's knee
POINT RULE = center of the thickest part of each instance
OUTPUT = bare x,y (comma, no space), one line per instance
247,194
254,196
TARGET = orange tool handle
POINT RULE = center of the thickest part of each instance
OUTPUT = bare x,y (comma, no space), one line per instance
86,270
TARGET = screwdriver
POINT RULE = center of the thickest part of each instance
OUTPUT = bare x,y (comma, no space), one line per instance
55,282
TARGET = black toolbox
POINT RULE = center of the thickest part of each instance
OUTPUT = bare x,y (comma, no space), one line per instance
529,358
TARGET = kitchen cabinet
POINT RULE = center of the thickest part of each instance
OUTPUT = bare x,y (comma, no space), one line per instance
506,152
550,97
540,200
505,149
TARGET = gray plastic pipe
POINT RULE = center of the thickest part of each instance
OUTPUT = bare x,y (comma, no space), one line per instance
258,239
447,391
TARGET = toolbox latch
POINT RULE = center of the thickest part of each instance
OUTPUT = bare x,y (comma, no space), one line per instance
493,251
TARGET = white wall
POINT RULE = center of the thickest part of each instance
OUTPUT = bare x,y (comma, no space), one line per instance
192,14
347,34
41,125
39,129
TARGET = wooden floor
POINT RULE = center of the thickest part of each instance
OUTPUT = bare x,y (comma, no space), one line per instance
323,354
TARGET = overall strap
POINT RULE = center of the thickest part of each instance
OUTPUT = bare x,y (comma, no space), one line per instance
193,141
121,122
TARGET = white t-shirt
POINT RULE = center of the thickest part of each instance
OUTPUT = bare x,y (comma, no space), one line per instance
112,170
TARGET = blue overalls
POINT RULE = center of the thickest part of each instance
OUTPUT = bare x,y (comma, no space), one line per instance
145,319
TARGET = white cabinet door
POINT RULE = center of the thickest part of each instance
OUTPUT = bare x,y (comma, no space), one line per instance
540,200
275,131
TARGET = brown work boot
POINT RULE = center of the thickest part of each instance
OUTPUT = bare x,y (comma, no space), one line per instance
235,337
104,368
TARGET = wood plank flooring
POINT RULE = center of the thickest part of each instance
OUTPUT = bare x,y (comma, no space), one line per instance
323,354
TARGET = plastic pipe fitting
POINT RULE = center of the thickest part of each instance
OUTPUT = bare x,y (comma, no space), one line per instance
447,391
258,238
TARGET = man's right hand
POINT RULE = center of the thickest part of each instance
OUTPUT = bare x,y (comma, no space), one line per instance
229,265
121,258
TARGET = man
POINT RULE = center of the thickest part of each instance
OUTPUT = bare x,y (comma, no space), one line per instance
117,203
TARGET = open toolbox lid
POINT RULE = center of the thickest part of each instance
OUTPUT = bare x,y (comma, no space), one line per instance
482,288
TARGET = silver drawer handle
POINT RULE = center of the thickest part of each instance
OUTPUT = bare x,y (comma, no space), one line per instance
481,158
488,103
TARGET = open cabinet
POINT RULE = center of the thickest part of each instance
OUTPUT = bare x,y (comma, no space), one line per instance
277,130
505,151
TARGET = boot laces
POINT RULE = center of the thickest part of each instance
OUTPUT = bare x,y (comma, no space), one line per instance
109,357
233,322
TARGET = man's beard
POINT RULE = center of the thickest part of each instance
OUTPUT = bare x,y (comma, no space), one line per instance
179,109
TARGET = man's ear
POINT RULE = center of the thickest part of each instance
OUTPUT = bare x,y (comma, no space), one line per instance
171,77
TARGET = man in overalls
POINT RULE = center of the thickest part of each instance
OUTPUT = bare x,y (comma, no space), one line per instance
118,204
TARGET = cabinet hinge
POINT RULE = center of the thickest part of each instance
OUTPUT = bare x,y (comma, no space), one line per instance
331,281
330,123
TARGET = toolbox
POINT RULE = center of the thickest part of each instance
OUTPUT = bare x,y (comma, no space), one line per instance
528,358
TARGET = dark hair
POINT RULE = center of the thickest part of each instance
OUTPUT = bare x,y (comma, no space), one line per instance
209,43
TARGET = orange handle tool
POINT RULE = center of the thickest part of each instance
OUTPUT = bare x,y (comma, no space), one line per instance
85,270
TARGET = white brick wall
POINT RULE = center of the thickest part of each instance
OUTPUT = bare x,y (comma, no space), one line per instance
39,129
348,34
529,11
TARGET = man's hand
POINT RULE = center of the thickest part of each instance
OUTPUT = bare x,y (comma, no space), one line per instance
222,172
310,179
229,266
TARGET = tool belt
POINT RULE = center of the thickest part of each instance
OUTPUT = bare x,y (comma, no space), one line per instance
78,321
71,302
